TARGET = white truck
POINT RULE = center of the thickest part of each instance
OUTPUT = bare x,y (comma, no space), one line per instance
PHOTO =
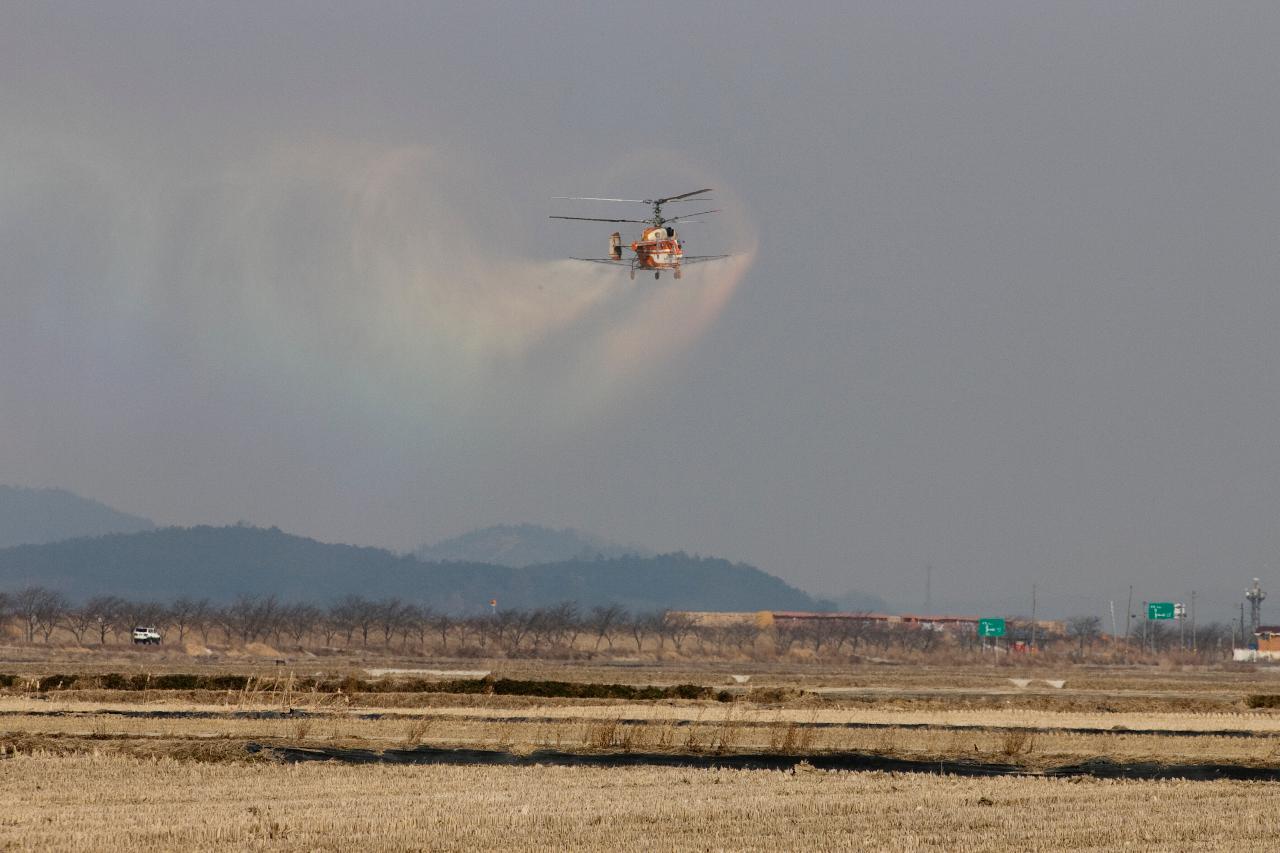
146,636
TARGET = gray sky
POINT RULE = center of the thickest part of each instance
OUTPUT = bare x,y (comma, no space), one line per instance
1003,300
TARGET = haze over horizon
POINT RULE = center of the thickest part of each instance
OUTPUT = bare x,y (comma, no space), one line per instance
1002,301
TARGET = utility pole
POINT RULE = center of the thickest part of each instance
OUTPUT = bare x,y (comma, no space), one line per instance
1033,617
1193,621
1128,614
1113,622
1243,643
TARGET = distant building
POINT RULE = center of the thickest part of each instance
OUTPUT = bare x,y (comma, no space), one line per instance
800,618
792,618
1267,640
795,617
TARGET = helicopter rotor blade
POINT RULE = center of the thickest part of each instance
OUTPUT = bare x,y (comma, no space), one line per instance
595,198
594,219
630,200
687,215
677,197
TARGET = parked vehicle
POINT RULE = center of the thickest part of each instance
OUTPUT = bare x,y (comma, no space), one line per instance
148,636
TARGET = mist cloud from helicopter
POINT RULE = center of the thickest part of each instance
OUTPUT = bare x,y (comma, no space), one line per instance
337,313
373,265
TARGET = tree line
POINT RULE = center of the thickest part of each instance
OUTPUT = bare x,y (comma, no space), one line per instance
39,615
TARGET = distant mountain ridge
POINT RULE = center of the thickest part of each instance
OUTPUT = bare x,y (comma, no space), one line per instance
520,545
857,601
221,563
39,516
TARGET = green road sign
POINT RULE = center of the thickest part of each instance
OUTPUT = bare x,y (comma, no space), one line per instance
991,628
1160,610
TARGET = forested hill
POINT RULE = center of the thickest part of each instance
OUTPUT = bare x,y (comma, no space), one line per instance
524,545
37,516
223,562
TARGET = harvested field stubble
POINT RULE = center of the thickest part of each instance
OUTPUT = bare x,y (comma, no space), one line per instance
720,731
92,803
105,758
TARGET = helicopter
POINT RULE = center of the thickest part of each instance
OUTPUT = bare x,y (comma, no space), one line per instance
659,247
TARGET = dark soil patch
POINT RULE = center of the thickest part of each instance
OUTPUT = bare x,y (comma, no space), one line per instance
844,761
352,685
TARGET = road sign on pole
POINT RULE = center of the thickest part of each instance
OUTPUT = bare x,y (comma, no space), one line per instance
1160,610
991,628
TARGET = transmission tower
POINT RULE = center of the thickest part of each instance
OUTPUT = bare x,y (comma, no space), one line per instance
1254,596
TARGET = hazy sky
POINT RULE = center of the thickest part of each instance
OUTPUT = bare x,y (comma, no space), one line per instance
1004,296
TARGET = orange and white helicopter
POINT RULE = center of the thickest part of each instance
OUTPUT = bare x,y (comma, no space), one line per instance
659,247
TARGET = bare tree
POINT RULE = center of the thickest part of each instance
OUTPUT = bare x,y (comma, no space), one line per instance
389,614
329,626
742,635
650,624
251,617
299,620
638,626
786,636
79,621
473,626
1159,635
927,635
521,624
571,619
416,622
604,620
850,630
342,614
223,619
105,611
677,627
493,628
442,624
184,614
354,613
546,629
561,625
818,632
39,609
1085,629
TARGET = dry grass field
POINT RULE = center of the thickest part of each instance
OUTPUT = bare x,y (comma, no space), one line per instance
93,768
92,803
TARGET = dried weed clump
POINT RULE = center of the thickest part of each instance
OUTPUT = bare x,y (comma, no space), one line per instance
615,735
789,737
728,733
301,728
416,731
1015,742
